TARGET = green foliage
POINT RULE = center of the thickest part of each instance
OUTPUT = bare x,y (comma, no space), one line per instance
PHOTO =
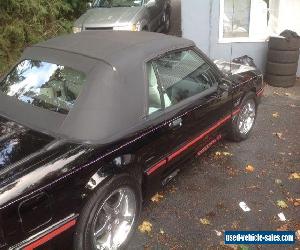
78,6
25,22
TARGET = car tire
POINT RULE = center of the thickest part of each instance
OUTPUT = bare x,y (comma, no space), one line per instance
281,81
283,56
282,69
281,43
167,21
103,200
248,110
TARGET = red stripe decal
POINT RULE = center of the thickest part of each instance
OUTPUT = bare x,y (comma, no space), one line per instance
236,111
157,166
50,235
260,92
191,143
209,145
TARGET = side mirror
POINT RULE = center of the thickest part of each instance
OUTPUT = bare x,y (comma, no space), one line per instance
224,85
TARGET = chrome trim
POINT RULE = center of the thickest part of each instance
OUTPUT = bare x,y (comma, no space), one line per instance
43,233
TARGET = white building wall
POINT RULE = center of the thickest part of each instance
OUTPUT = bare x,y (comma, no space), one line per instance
195,22
200,23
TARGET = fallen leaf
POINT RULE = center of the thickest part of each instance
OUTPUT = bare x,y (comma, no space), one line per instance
283,228
298,235
295,176
161,231
275,115
249,169
146,247
296,202
279,135
145,227
281,204
243,247
232,171
227,154
157,197
173,189
205,221
235,225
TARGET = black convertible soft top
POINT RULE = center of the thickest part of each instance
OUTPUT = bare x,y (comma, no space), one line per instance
114,100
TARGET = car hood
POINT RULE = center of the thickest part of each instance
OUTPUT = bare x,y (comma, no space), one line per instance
18,142
231,68
104,17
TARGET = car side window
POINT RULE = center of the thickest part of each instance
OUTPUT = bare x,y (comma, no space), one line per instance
178,75
155,92
155,102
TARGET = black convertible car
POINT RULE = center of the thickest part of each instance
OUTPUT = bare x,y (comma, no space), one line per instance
93,123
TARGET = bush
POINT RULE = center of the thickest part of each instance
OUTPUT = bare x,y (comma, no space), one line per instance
25,22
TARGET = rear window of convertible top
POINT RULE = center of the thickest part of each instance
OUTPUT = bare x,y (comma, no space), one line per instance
45,85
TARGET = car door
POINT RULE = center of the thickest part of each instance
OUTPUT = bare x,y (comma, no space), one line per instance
154,148
196,103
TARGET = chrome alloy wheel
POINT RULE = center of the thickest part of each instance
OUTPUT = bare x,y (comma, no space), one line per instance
114,219
246,117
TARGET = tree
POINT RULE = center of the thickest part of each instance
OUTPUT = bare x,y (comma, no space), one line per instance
25,22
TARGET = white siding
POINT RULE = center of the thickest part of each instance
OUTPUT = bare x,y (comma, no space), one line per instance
200,22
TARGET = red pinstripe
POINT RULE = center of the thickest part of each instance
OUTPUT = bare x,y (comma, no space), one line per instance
191,143
260,92
50,235
156,166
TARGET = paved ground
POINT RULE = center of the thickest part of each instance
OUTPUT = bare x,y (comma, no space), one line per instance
210,188
213,186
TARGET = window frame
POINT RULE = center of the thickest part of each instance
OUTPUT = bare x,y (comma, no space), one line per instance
190,99
250,38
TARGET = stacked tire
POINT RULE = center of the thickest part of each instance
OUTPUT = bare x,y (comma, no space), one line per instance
282,64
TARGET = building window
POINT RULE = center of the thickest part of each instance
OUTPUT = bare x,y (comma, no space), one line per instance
245,20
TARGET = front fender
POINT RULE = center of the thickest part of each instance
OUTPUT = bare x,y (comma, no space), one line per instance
124,163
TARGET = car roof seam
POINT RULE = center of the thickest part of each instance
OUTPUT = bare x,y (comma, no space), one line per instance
75,53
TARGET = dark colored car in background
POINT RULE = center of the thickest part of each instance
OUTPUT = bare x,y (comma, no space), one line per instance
93,123
130,15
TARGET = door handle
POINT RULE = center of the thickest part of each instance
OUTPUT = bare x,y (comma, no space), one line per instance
176,123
